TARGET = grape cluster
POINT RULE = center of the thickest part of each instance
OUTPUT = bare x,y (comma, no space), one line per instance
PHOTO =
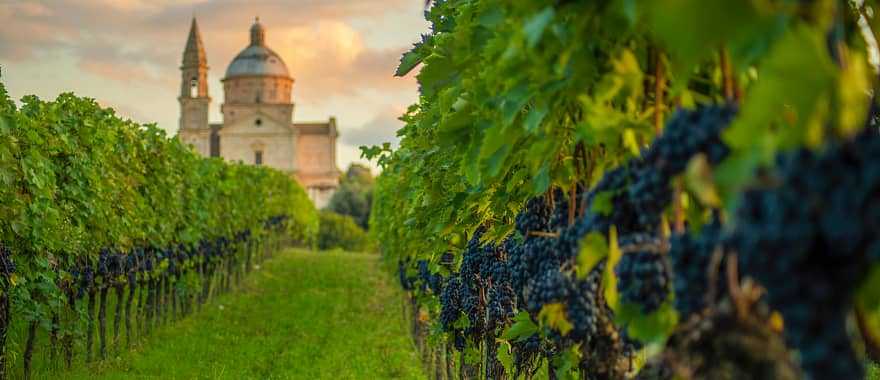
691,257
535,216
525,354
450,303
533,268
687,134
642,272
551,286
405,281
7,265
429,280
640,189
585,304
502,304
805,237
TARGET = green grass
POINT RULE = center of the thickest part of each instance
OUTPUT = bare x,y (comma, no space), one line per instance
303,315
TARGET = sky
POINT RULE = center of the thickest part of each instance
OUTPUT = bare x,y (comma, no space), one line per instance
126,54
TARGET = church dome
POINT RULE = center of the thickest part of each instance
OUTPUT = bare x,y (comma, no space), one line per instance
257,58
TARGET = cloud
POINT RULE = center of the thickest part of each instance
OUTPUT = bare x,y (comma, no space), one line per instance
381,129
142,41
330,58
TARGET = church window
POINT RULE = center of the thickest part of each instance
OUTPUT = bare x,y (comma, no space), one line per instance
258,157
193,88
258,122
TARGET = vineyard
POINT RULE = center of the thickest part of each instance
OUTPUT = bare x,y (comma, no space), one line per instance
639,190
100,212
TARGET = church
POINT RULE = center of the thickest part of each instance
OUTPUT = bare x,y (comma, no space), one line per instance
258,126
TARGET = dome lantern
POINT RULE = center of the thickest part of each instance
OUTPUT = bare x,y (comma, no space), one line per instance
257,58
258,33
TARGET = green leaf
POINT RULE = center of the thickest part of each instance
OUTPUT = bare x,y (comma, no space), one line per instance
521,329
513,102
541,182
869,292
436,71
609,280
630,141
505,355
788,92
720,23
534,27
854,84
535,116
495,162
593,248
472,355
408,61
653,328
553,315
566,362
698,178
602,203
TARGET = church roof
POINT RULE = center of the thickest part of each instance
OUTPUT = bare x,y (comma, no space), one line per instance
257,58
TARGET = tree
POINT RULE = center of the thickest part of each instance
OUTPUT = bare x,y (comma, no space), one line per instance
355,195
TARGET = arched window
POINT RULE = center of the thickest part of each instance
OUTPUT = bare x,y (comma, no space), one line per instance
194,88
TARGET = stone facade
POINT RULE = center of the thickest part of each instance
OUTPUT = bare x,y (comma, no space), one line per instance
257,125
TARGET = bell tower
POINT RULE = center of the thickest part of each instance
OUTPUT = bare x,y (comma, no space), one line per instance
194,99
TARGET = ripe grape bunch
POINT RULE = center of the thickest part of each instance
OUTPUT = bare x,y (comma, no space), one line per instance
691,256
7,266
640,189
805,237
643,272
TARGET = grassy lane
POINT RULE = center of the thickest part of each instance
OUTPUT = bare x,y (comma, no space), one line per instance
301,316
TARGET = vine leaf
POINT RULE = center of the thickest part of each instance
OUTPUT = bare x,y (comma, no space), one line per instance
593,248
534,27
566,362
802,102
408,61
719,22
869,293
553,315
609,280
855,82
535,116
505,355
541,182
521,329
698,177
651,328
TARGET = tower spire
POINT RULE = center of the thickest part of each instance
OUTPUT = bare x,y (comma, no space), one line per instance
194,53
194,99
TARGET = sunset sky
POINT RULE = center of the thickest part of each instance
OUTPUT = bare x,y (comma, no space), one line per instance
126,54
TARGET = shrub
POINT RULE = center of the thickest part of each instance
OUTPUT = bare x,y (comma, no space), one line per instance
341,231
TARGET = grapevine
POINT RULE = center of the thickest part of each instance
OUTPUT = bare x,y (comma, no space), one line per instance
622,180
97,208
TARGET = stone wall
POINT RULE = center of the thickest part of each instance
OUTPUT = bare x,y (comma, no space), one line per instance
241,141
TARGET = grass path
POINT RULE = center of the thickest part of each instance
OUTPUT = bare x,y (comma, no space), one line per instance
303,315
